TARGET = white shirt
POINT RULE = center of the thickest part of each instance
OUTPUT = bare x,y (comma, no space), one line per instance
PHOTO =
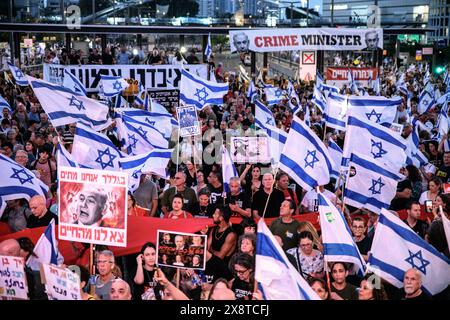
310,200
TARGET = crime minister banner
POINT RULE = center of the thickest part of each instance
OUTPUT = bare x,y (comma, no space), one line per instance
339,76
161,77
93,206
289,39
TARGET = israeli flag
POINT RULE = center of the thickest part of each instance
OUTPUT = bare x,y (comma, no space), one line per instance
338,244
64,158
73,83
351,82
113,85
376,141
228,169
377,86
375,109
2,206
252,92
120,102
447,78
158,108
327,89
445,223
319,100
369,184
208,50
414,155
140,97
46,249
18,75
18,182
443,121
426,99
154,162
274,95
336,157
277,137
63,106
336,111
4,104
195,91
277,278
94,150
319,80
406,250
310,163
162,122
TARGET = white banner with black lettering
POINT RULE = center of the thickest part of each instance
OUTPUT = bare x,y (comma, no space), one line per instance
268,40
161,77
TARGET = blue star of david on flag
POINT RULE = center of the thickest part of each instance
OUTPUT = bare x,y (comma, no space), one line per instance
19,175
135,173
152,123
312,156
117,86
374,113
76,103
278,93
374,189
201,94
270,121
110,160
377,149
132,139
19,74
418,256
143,132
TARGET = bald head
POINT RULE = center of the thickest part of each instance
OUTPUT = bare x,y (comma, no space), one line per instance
37,206
120,290
412,283
222,294
10,247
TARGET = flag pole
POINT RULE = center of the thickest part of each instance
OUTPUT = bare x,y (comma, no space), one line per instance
324,132
270,193
91,267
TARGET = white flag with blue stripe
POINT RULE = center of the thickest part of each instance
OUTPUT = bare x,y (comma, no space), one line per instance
2,206
163,122
252,92
277,138
426,99
73,83
277,278
319,100
195,91
376,141
64,158
18,75
154,162
4,104
376,109
274,95
139,98
369,184
336,111
228,169
94,150
338,244
327,89
405,249
319,80
292,94
305,158
46,249
336,157
377,86
113,85
18,182
208,49
63,106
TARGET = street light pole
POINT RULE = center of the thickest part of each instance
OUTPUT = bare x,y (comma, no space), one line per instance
332,13
93,11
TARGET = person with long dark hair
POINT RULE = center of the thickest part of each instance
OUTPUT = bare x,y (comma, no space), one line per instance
144,284
242,265
369,291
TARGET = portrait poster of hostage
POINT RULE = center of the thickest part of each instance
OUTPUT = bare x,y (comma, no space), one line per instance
181,250
92,206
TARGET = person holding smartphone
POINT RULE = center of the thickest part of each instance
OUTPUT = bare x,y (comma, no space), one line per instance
434,189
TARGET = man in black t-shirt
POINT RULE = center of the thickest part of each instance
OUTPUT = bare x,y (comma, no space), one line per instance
418,226
238,200
41,217
261,196
412,284
340,288
215,187
444,170
359,235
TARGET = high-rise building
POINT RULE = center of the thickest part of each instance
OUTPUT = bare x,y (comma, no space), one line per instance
250,7
391,11
228,7
206,8
439,21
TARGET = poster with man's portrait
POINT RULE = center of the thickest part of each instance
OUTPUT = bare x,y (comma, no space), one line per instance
181,250
188,120
93,206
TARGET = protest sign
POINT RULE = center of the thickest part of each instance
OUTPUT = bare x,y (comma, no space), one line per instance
54,73
181,250
188,120
250,150
167,98
93,206
13,280
339,76
60,283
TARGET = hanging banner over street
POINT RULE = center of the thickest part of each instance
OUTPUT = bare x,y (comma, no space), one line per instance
161,77
269,40
339,76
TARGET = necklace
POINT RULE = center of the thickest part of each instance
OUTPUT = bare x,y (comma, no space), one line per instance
221,234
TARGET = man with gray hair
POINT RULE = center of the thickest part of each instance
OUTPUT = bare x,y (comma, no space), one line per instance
21,158
238,200
241,42
103,281
275,196
91,205
412,285
189,196
372,40
120,290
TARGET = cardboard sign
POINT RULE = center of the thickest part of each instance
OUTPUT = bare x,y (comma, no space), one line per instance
188,120
60,283
181,250
13,280
250,150
93,206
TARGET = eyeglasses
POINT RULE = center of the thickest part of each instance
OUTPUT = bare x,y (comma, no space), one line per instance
103,261
240,271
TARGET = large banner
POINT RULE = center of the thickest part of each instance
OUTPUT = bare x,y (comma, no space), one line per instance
93,206
339,76
269,40
161,77
13,280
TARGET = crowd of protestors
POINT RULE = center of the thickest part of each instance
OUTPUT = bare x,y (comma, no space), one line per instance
196,190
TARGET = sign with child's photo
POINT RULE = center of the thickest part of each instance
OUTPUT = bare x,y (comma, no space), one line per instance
181,250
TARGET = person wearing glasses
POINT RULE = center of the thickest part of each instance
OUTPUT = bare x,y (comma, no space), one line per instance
188,194
364,243
242,284
103,280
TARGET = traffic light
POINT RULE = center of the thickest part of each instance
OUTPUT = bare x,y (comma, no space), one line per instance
439,69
